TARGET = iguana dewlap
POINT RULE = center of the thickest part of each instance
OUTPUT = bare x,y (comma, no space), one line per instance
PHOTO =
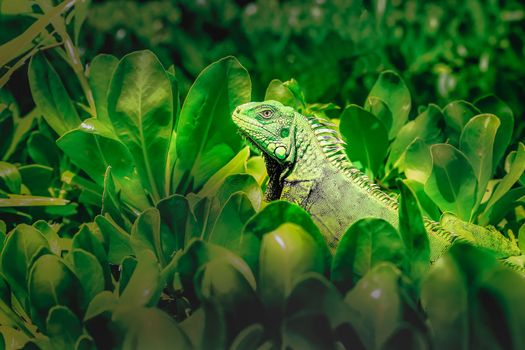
307,165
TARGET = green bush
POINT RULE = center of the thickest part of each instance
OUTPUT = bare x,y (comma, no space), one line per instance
132,213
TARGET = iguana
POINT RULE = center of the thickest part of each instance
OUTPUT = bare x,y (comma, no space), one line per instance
307,165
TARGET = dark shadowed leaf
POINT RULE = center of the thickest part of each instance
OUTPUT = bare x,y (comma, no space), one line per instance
52,283
100,73
51,96
63,327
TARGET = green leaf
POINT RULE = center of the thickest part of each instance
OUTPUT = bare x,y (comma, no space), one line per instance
327,301
43,150
118,239
492,104
424,127
414,234
51,96
427,206
13,338
226,230
307,332
452,185
220,282
200,253
279,212
457,114
23,245
286,253
140,107
37,178
63,327
417,163
15,200
10,179
127,267
102,302
85,239
51,235
391,89
145,285
205,129
366,243
380,109
106,152
89,272
81,11
516,170
100,73
366,136
377,293
111,202
282,92
235,166
23,42
145,235
250,337
477,143
151,328
175,212
52,283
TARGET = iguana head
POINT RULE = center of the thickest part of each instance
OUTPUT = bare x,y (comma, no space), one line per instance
270,126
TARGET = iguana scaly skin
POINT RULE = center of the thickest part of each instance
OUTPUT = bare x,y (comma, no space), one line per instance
307,165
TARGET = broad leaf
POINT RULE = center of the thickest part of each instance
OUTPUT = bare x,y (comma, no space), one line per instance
414,234
63,327
106,151
52,283
51,96
492,104
140,107
100,73
286,253
424,127
391,89
457,114
477,143
206,136
366,136
277,213
376,305
452,185
10,179
366,243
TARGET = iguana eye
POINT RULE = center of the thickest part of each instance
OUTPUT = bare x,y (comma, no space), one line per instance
266,113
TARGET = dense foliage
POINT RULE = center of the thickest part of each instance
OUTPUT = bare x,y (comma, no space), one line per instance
132,212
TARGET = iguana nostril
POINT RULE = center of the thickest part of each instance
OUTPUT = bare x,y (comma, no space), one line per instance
238,110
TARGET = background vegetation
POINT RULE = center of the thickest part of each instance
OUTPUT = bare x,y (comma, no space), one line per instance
132,213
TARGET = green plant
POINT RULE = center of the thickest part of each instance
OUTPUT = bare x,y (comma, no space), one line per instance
161,237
